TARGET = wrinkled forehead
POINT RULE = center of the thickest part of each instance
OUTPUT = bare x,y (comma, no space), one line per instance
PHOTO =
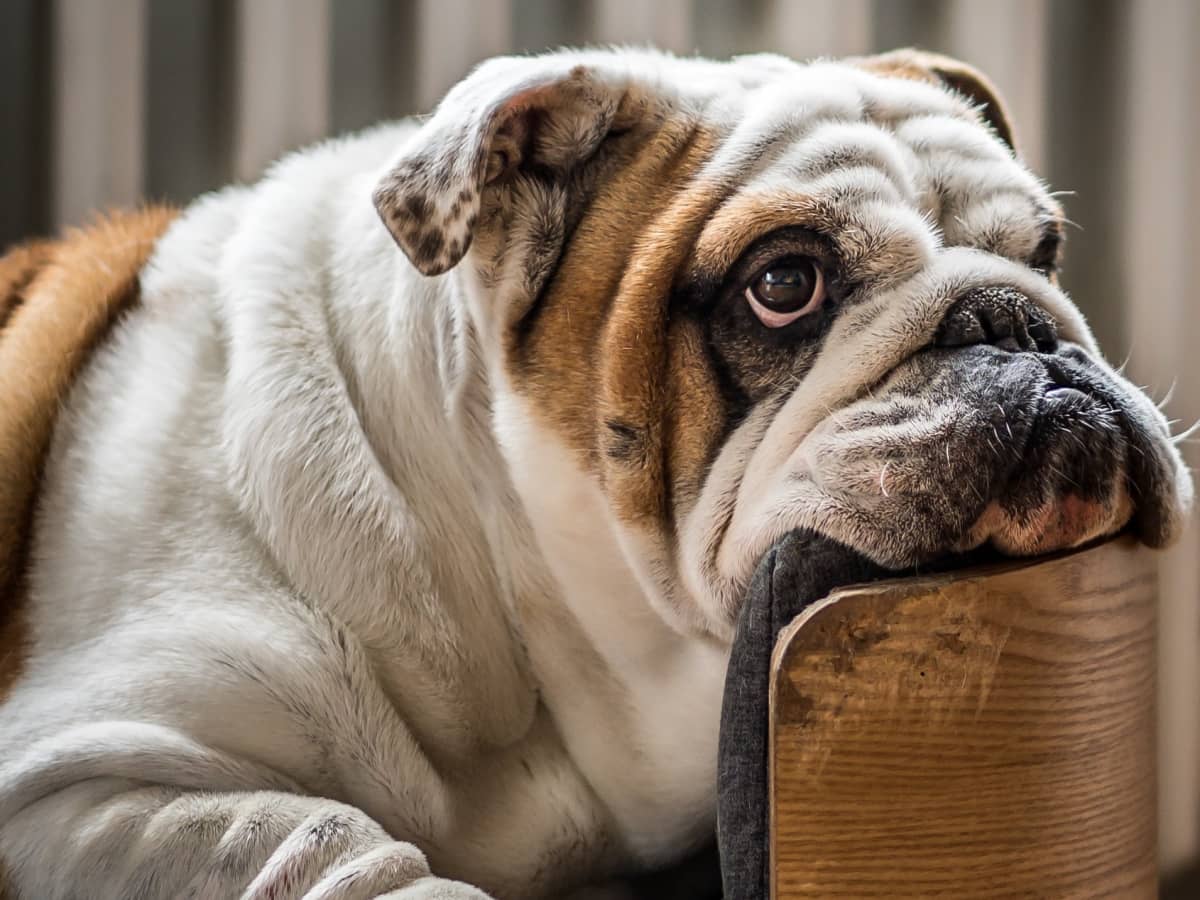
888,168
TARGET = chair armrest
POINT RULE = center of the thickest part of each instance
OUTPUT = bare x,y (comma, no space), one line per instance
986,732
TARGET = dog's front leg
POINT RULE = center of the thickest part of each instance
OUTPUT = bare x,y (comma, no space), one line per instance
111,838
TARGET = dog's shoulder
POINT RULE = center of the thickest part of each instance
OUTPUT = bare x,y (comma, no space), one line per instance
58,300
61,301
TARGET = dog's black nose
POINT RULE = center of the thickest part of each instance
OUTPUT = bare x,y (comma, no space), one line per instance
1001,316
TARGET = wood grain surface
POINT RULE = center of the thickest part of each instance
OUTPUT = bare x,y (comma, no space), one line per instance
981,734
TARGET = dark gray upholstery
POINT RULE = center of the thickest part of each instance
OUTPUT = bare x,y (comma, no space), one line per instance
802,568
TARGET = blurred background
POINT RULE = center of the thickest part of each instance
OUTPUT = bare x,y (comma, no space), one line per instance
107,102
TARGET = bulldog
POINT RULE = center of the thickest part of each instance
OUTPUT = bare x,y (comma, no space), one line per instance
379,529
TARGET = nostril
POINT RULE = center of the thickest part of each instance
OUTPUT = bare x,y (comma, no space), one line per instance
960,328
1041,330
1001,316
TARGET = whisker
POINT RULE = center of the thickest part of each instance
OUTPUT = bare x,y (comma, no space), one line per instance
1186,433
1125,362
1167,397
1004,416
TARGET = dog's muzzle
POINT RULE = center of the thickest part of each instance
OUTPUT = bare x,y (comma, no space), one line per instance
1001,433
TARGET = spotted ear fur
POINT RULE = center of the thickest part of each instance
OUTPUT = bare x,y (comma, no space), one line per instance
509,113
954,74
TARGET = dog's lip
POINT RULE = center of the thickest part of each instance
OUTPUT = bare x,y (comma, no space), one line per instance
1062,392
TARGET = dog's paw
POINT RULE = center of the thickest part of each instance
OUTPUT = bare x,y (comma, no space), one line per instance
432,888
392,869
329,858
337,852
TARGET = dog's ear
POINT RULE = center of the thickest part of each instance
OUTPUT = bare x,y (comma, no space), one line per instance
958,76
541,116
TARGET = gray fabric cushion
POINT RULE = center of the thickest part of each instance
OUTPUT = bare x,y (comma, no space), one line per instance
801,568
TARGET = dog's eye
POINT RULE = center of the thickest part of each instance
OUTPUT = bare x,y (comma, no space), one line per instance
787,290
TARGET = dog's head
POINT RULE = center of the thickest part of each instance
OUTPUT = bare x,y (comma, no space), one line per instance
724,300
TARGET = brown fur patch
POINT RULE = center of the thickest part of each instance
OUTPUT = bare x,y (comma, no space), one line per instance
629,389
863,255
17,269
695,416
919,65
750,216
61,298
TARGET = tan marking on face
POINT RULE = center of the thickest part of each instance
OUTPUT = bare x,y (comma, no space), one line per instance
630,391
750,216
934,68
898,64
62,298
693,415
886,250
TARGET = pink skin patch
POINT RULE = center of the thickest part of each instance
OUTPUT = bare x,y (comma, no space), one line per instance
1065,522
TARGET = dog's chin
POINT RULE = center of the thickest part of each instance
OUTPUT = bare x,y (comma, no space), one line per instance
1028,452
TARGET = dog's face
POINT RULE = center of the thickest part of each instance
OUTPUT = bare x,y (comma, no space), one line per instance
753,296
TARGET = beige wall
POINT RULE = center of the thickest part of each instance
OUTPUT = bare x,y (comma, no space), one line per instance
1159,211
113,100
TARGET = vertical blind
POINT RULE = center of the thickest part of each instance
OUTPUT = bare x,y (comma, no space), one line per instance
106,104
